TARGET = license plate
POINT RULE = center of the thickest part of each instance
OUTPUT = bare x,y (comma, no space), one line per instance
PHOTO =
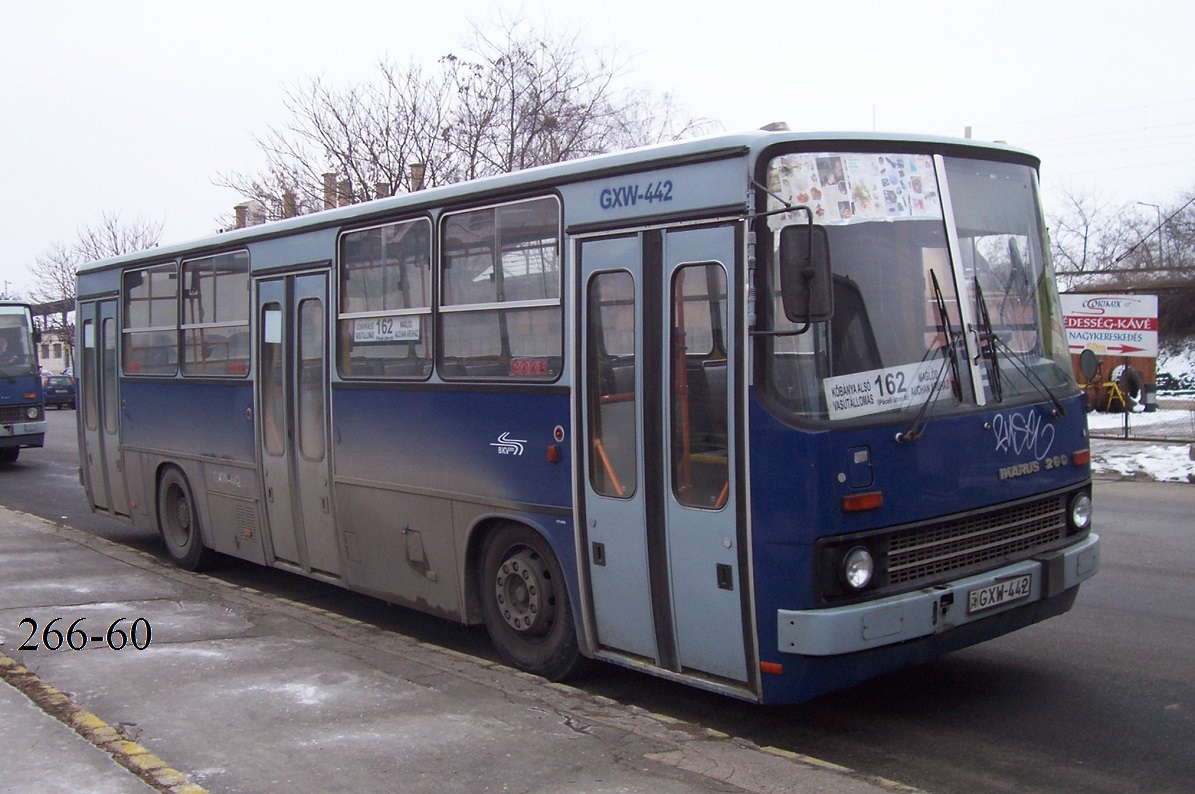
994,595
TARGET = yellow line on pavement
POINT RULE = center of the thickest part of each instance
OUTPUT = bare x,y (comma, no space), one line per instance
131,755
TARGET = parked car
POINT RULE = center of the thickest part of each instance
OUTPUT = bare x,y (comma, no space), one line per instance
59,390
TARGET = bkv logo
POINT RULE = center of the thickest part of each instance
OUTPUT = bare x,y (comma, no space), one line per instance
509,446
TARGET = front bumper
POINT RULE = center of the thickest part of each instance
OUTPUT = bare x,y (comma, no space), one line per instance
23,434
932,610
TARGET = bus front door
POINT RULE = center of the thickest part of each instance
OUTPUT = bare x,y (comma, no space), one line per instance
99,405
664,552
292,410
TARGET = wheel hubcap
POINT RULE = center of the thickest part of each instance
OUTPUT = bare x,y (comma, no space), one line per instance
183,515
524,592
179,511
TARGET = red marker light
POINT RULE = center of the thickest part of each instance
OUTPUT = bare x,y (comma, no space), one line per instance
859,502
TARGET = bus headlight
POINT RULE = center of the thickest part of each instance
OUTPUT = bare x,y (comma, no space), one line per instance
857,568
31,412
1080,512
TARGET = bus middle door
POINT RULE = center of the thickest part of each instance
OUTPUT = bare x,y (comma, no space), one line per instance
292,410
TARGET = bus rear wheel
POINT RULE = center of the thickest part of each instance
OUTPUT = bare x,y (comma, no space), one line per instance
525,603
179,522
10,454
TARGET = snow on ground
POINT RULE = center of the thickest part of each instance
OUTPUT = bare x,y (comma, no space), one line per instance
1174,419
1132,458
1138,460
1177,360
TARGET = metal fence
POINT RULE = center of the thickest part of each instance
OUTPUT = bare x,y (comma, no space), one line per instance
1173,421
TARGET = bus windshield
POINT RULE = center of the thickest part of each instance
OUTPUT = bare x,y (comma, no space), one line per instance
16,352
942,294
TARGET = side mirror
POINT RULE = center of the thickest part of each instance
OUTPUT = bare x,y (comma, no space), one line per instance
806,283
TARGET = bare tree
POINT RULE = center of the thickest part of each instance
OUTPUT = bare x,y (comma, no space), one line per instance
111,236
54,271
1086,237
1096,244
526,101
511,99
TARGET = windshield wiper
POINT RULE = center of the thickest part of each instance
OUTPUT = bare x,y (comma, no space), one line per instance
944,329
987,344
1027,369
948,353
918,427
990,341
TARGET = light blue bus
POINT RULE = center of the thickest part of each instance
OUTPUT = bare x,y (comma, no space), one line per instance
22,409
767,413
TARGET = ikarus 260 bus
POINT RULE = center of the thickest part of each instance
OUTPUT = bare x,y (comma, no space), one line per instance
767,413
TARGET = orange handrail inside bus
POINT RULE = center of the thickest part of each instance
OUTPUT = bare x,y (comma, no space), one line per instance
601,451
723,496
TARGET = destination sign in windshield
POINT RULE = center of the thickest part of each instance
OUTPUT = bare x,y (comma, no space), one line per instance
878,390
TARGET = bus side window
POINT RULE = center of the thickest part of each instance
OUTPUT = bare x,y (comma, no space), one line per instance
500,311
384,328
215,321
150,326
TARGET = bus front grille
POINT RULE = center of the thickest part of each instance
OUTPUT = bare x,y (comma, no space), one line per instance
11,414
933,550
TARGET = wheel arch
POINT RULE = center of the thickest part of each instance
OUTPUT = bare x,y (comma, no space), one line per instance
558,536
191,473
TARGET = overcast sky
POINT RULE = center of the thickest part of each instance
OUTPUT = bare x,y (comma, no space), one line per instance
134,107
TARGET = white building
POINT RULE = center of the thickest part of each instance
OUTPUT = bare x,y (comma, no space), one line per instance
55,353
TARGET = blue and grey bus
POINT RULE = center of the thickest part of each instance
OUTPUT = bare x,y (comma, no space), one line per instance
22,409
767,413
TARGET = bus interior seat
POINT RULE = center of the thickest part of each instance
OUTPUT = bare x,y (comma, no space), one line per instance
853,345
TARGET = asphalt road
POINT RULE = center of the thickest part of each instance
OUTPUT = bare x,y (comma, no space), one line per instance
1099,700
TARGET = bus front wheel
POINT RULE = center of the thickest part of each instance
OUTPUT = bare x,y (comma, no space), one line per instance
179,522
525,603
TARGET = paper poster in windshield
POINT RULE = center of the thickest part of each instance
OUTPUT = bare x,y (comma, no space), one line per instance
845,187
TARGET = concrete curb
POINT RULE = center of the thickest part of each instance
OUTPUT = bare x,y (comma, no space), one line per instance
130,755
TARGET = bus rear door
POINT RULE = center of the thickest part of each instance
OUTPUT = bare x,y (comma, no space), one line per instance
103,463
663,544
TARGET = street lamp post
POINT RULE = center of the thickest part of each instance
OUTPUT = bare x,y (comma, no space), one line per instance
1161,249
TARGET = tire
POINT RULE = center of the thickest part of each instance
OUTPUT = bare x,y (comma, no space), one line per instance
178,521
525,603
10,454
1131,383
